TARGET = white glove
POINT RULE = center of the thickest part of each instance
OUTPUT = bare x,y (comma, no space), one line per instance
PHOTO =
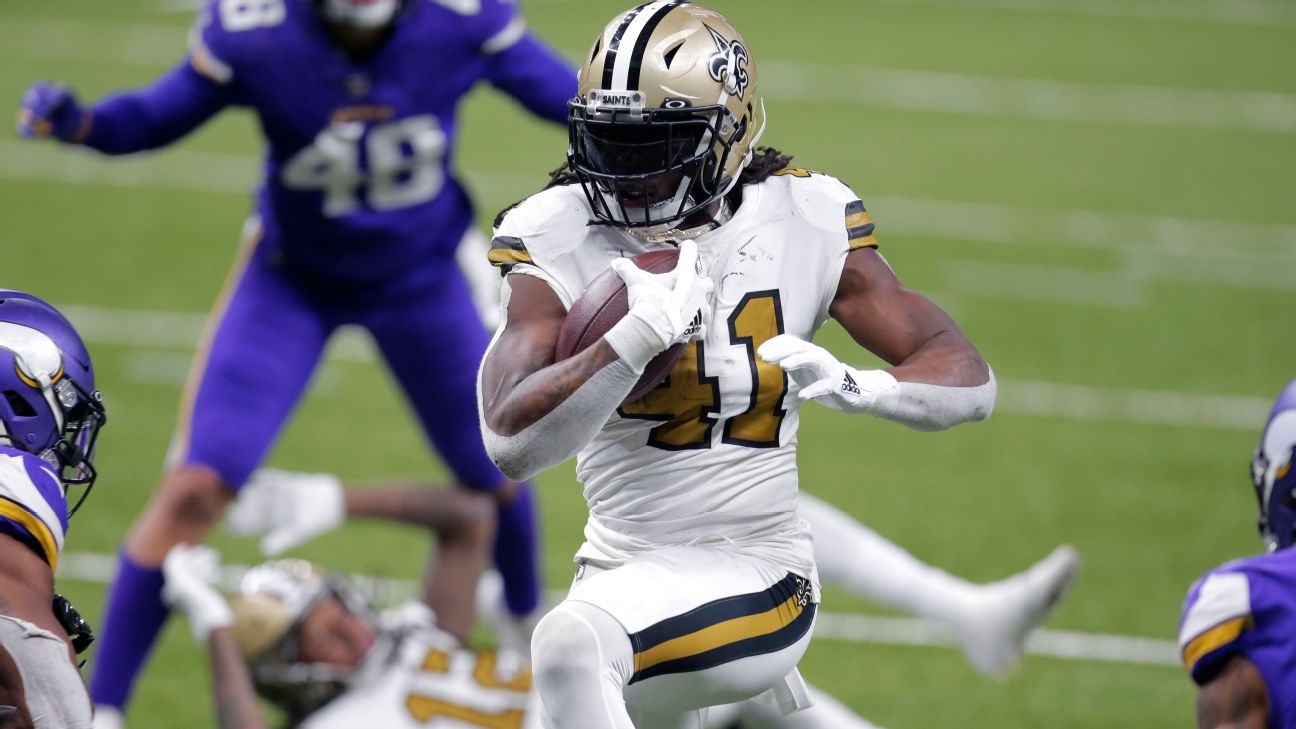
665,308
289,508
483,278
512,632
821,377
191,571
107,717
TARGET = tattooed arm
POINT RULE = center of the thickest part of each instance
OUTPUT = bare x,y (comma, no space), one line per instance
236,701
1235,699
520,381
536,413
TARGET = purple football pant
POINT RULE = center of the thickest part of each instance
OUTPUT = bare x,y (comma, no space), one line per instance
264,341
268,339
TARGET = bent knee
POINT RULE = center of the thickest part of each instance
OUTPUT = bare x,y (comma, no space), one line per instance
187,504
561,643
579,642
192,495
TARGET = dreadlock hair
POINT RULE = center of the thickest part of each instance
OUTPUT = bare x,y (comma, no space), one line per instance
563,174
765,162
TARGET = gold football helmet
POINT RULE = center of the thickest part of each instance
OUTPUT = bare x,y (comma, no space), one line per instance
666,115
273,600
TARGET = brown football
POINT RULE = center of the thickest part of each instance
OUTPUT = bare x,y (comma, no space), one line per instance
602,305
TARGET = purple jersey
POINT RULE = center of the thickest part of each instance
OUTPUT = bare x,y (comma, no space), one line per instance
358,183
1246,608
33,508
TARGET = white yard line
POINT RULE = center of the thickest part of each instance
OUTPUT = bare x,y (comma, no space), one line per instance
1125,285
147,328
1230,12
61,39
1070,645
1264,246
171,369
189,170
998,223
1030,282
1123,405
1264,13
1072,101
99,568
888,88
172,330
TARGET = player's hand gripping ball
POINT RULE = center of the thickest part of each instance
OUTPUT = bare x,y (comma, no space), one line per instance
602,305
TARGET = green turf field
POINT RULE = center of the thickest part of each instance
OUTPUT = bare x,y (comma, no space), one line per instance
1100,192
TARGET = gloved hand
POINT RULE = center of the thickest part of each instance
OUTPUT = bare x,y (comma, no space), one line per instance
289,508
821,377
191,571
49,110
665,308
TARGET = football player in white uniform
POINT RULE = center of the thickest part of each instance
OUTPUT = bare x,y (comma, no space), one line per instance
315,649
321,654
988,621
50,416
697,581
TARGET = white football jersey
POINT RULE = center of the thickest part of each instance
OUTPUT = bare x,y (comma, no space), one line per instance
418,677
709,456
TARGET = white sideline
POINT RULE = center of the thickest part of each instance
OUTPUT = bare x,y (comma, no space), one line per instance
850,627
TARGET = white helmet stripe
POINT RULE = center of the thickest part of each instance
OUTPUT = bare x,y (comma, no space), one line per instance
1279,437
621,50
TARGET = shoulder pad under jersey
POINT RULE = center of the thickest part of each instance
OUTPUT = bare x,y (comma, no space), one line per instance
1216,613
826,202
541,228
31,497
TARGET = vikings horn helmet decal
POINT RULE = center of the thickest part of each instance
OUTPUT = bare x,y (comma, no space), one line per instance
48,402
1273,475
667,114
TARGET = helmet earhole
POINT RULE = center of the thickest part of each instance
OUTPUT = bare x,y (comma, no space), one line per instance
20,407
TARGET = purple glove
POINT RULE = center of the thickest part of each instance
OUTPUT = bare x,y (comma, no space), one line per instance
50,110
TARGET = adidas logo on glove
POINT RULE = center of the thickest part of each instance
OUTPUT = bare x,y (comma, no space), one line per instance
694,326
848,385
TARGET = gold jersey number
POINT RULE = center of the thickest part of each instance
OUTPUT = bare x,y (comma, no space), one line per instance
688,401
425,708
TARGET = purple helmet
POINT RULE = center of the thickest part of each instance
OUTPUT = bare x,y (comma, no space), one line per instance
48,402
1273,475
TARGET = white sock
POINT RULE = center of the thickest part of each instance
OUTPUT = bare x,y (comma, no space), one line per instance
852,556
